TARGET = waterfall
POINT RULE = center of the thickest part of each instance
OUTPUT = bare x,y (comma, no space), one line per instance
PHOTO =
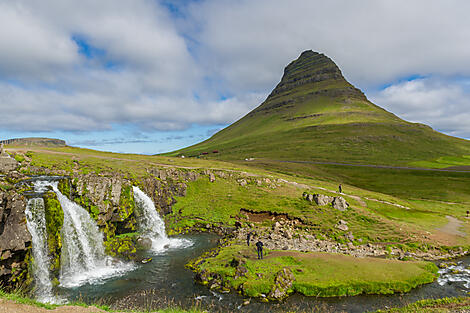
83,259
152,226
36,223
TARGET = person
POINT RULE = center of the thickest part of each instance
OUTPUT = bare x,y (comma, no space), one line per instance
259,247
468,212
340,188
248,237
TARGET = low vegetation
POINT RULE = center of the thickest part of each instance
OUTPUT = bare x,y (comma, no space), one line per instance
314,274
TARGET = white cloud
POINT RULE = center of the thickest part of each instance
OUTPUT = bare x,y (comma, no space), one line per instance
247,43
444,106
163,80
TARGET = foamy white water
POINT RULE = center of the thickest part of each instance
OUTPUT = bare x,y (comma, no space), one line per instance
82,259
36,224
152,226
455,273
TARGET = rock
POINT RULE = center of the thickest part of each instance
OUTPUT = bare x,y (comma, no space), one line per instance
340,204
240,271
242,182
322,199
342,225
246,302
144,243
7,163
5,255
235,262
282,283
211,177
15,240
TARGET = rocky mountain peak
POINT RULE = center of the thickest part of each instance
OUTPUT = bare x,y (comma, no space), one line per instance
311,75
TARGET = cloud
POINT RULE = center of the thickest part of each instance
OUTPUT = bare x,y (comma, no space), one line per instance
247,43
96,65
444,105
167,65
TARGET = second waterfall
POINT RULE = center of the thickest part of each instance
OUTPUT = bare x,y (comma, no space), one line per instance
152,226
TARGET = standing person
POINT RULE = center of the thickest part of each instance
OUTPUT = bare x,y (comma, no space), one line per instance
248,237
259,246
340,188
468,212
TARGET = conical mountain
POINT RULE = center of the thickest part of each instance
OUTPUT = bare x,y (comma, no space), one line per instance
314,114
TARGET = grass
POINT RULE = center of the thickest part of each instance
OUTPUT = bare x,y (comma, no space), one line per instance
318,274
20,298
443,305
219,203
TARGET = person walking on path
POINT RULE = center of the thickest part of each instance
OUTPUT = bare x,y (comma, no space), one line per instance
248,237
340,188
259,247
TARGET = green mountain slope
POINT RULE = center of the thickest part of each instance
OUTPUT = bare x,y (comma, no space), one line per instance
314,114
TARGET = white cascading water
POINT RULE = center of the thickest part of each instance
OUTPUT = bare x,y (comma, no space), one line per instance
36,223
82,259
152,226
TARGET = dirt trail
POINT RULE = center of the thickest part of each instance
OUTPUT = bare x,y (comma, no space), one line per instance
452,228
7,306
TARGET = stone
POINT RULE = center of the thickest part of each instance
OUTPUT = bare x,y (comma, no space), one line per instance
211,177
242,182
282,284
309,198
240,271
5,255
322,199
340,204
7,164
144,243
342,225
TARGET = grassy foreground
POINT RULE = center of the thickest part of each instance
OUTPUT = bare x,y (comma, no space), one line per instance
315,274
24,300
444,305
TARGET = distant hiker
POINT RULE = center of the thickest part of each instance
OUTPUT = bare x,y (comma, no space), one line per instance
248,237
259,247
340,188
468,212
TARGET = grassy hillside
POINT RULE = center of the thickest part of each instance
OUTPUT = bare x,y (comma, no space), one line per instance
314,114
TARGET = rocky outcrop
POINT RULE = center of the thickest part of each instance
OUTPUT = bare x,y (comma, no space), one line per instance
322,199
15,240
282,284
7,163
340,204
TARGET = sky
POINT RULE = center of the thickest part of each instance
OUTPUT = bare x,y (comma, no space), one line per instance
149,76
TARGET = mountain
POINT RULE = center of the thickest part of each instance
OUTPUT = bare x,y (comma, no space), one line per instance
314,114
34,141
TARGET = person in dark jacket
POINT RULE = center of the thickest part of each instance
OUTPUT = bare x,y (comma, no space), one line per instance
259,247
340,188
248,237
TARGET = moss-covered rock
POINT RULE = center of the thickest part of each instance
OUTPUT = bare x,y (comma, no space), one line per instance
54,222
123,246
